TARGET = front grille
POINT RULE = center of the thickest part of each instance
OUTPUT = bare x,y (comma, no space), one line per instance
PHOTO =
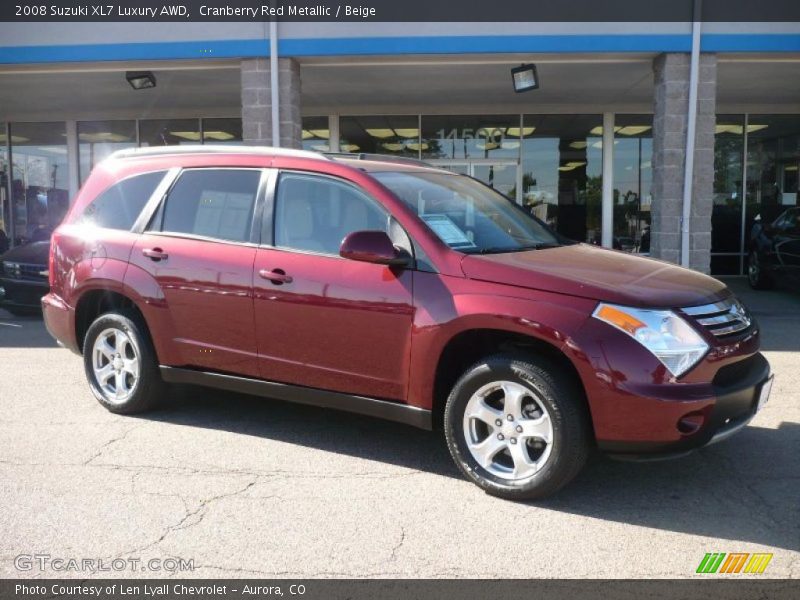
721,318
24,271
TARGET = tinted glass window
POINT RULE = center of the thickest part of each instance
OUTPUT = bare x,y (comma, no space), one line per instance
215,203
39,174
790,221
120,205
316,213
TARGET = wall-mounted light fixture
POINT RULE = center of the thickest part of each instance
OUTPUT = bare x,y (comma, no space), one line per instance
141,80
525,78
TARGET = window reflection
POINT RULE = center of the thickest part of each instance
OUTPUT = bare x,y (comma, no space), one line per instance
222,131
316,134
5,204
98,139
394,135
39,186
633,178
168,132
562,172
726,215
470,136
773,158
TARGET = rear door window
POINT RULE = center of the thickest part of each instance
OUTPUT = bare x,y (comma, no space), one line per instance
119,206
212,203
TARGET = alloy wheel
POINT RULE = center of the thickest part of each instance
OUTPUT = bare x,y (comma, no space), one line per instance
115,363
508,430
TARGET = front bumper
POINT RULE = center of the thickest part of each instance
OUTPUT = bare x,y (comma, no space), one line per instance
732,404
21,293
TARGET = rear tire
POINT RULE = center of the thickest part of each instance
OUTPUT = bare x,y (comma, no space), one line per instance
517,426
121,365
757,276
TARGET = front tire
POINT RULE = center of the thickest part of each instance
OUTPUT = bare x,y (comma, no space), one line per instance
517,427
121,365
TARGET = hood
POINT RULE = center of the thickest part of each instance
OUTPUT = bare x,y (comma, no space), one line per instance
37,253
599,274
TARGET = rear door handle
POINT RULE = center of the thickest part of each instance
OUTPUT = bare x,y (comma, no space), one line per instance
276,276
155,254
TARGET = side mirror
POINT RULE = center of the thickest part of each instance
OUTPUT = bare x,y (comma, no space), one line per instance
372,247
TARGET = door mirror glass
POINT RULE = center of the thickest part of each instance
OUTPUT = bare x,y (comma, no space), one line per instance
373,247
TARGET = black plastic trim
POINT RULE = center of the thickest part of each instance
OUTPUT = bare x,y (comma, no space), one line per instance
735,405
383,409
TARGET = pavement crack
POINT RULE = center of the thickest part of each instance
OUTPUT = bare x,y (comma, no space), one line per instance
398,545
184,522
105,446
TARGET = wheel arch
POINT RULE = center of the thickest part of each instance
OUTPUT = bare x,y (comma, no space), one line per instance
467,347
97,301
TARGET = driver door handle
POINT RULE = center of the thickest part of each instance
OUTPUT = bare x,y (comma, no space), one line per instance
276,276
155,254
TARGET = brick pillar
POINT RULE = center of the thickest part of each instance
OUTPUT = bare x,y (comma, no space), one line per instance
670,117
257,102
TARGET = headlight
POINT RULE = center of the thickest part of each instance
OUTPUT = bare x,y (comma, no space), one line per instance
671,339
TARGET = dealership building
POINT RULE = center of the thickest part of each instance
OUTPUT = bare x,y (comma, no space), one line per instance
631,140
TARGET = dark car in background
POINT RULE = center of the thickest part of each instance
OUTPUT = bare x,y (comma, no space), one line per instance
23,278
775,251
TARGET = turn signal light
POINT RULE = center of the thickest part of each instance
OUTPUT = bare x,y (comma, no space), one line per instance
619,318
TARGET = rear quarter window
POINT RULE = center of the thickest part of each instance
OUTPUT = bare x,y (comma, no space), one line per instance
119,206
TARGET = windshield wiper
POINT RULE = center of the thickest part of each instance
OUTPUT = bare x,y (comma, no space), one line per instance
501,250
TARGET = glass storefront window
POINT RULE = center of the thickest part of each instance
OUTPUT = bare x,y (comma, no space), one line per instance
773,159
39,186
316,135
5,205
395,135
470,137
98,139
633,179
222,131
168,132
726,215
562,179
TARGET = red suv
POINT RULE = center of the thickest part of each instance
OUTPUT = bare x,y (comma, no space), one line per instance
399,291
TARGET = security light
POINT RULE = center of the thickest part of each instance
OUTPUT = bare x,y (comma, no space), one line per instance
525,78
141,80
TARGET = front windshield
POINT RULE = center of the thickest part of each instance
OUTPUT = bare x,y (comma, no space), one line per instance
467,215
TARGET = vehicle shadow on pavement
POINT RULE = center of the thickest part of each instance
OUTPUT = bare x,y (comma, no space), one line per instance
744,489
24,332
324,429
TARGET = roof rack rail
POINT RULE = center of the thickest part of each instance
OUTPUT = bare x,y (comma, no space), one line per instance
379,157
215,149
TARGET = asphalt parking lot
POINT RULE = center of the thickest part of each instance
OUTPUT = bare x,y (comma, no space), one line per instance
246,487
